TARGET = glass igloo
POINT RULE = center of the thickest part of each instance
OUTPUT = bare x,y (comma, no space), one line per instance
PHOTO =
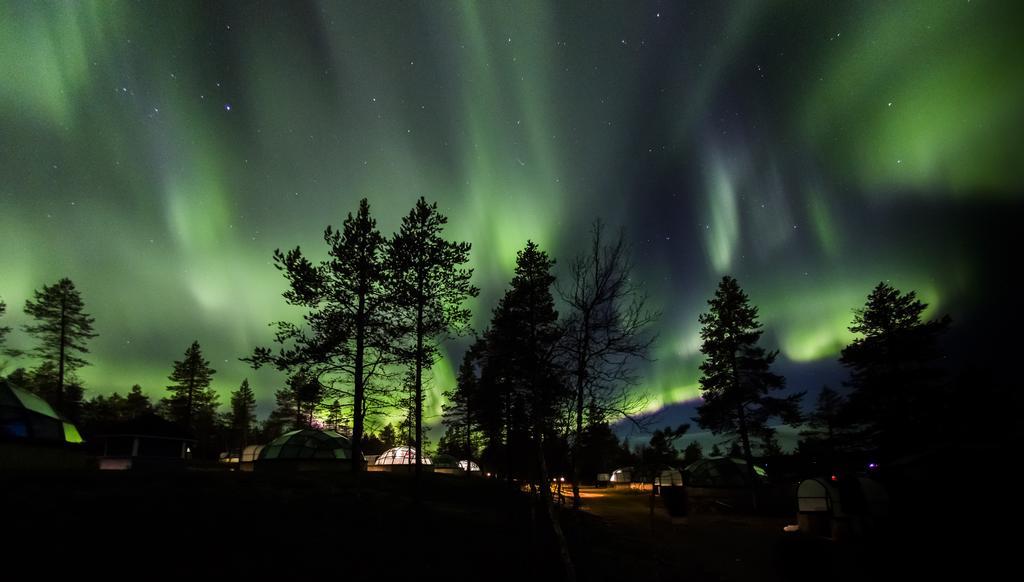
472,465
400,456
308,444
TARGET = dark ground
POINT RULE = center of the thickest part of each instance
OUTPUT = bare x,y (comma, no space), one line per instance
105,525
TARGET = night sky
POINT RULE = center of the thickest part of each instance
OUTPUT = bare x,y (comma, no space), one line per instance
158,152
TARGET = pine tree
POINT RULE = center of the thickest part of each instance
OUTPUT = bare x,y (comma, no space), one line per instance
243,413
458,413
136,403
306,392
662,450
191,395
525,331
62,328
429,286
349,316
284,417
387,436
715,451
736,376
893,373
44,381
692,453
335,420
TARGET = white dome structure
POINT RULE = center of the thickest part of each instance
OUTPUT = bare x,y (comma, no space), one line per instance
400,456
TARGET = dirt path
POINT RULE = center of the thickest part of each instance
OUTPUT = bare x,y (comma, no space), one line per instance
702,547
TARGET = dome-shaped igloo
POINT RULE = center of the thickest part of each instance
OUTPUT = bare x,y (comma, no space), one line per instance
307,449
400,456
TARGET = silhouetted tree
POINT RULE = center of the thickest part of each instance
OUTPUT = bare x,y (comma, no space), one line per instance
824,425
243,413
770,445
306,392
136,403
692,453
388,437
661,450
349,317
736,375
101,411
525,331
191,395
715,451
893,372
285,416
600,450
62,327
428,285
372,445
44,381
459,413
606,332
334,419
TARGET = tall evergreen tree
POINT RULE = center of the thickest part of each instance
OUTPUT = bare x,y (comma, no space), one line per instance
136,403
62,328
307,393
285,416
349,317
525,328
661,450
893,372
605,335
459,415
429,285
243,413
715,451
736,377
191,395
334,419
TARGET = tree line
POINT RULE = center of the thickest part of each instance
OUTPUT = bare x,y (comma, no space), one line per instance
536,390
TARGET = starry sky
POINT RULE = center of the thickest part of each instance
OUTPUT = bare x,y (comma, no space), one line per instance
158,152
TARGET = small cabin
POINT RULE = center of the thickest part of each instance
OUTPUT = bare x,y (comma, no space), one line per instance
147,442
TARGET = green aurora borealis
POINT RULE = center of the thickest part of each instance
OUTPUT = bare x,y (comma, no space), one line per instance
158,152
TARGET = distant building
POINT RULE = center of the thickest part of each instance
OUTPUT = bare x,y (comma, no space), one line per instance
621,476
444,464
469,465
33,435
147,442
306,450
250,455
400,459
